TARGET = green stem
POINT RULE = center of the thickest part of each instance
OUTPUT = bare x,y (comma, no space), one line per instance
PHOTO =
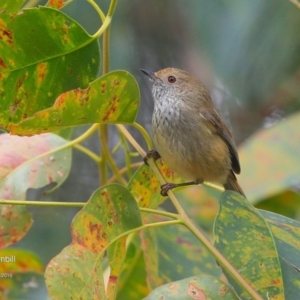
88,152
130,139
31,3
123,170
109,158
143,227
127,154
41,203
145,134
105,51
102,130
107,19
159,212
97,9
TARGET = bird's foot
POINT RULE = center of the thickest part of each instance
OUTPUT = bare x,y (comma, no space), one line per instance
169,186
166,187
152,153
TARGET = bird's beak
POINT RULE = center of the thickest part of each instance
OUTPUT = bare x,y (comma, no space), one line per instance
151,75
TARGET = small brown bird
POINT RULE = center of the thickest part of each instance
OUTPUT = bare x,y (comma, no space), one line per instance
189,134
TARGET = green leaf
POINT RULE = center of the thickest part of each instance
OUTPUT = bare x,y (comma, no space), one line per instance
24,164
113,98
243,236
173,252
285,203
132,283
43,53
77,271
287,237
151,258
197,287
146,188
11,6
270,160
201,203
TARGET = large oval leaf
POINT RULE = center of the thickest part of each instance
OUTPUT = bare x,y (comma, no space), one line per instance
24,164
287,237
198,287
43,53
112,98
270,160
77,271
245,239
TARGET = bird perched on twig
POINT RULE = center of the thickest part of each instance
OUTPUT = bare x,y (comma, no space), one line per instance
189,134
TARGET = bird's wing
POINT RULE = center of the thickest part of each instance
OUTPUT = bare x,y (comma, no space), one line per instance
221,129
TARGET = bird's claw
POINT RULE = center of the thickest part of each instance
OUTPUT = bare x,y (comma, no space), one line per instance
151,153
166,187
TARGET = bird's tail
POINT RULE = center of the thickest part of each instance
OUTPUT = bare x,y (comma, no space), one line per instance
233,185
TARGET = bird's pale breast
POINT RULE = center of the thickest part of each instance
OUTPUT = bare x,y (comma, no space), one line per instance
189,147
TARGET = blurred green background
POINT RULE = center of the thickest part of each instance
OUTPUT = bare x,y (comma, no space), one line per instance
246,52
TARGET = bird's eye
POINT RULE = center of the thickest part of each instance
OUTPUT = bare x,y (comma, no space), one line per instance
171,79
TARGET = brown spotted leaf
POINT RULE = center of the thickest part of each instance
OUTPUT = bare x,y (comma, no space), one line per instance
24,164
145,187
77,271
244,237
111,98
287,238
43,53
197,287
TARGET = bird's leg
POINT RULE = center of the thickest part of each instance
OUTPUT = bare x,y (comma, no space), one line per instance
169,186
152,153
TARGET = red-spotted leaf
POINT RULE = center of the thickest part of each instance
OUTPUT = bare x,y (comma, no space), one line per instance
197,287
43,53
145,187
77,271
24,164
109,99
245,239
